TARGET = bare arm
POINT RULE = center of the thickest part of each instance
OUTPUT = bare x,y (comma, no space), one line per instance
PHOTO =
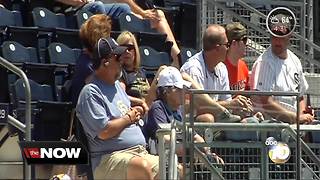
274,109
203,99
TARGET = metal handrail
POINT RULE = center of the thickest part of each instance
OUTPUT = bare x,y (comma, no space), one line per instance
261,93
11,120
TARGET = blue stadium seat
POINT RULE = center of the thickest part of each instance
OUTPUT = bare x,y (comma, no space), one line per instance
82,16
188,20
61,54
186,53
69,37
10,18
51,119
18,54
151,60
131,23
44,18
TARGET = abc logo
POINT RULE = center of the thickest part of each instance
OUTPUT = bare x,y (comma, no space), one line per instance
280,153
271,141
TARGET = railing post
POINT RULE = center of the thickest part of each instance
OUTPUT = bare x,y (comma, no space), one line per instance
21,74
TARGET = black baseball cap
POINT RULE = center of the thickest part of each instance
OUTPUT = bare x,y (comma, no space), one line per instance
104,48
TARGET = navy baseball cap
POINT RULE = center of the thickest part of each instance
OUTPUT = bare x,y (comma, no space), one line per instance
104,48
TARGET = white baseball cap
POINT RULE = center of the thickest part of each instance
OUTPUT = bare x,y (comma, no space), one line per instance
170,76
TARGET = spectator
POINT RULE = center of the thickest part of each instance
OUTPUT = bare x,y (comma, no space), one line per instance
207,69
116,143
279,69
114,8
168,106
238,71
135,83
96,27
133,77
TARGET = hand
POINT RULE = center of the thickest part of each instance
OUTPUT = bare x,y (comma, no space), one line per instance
134,115
151,14
259,115
242,103
140,109
306,118
214,157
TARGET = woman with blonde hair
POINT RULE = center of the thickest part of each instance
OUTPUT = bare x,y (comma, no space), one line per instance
134,78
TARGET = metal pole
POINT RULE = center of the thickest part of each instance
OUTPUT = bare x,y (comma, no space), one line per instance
298,148
21,74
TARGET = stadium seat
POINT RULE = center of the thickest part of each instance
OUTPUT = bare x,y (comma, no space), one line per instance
61,54
18,54
44,18
85,170
151,60
10,18
26,36
69,37
65,59
82,16
188,20
38,92
156,41
131,23
186,53
52,121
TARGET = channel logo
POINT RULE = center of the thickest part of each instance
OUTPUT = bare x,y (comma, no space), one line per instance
279,152
54,152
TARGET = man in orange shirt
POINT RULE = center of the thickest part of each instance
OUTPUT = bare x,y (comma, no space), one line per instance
237,69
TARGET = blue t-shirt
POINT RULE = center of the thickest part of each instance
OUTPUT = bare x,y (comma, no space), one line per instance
83,70
98,104
158,113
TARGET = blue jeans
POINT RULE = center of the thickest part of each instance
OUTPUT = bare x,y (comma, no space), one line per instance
243,135
113,9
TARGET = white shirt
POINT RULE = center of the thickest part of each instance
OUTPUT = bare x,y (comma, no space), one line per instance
270,73
217,80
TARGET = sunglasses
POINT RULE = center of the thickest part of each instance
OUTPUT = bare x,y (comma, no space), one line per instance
129,46
243,39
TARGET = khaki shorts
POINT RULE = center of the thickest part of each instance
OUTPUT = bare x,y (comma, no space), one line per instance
114,165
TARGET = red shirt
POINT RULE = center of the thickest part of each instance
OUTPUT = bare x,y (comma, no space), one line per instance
238,75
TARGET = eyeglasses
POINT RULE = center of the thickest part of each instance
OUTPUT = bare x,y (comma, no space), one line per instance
227,45
129,46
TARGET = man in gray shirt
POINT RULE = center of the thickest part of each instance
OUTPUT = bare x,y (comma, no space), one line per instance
116,143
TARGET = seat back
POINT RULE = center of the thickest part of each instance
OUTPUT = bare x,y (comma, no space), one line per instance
26,36
81,136
186,53
16,53
10,18
69,37
188,20
52,121
82,16
131,23
44,18
151,60
38,92
62,54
